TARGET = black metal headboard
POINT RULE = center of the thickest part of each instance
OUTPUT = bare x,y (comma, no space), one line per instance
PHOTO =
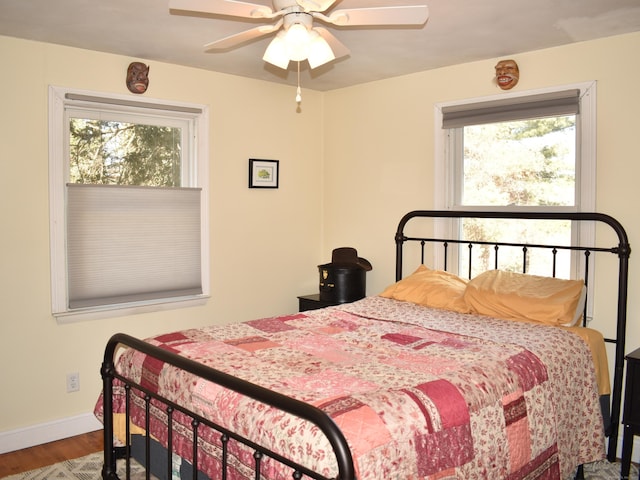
622,249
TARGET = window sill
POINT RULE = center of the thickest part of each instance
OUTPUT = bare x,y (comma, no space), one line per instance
110,311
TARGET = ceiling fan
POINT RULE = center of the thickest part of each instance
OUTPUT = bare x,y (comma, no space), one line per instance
297,39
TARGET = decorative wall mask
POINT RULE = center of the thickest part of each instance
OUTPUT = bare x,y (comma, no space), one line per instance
137,77
507,74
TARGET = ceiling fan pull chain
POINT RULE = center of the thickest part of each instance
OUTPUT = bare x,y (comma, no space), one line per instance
298,91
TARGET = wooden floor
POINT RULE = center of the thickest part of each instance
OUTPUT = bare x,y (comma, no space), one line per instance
50,453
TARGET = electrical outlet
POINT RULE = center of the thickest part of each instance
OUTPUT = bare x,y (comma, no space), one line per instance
73,382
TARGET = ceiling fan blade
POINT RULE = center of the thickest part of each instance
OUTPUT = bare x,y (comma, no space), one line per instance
240,38
339,49
403,15
231,8
315,5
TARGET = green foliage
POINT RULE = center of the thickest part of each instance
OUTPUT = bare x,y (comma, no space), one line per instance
538,261
530,163
540,127
524,163
118,153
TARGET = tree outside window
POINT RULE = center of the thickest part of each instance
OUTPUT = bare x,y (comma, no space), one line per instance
527,163
120,153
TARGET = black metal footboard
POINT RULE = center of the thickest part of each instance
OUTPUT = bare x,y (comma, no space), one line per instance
300,409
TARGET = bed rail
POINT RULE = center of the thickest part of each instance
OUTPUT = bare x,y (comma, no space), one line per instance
300,409
622,249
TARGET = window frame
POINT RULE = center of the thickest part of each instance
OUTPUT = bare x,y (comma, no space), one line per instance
447,168
195,173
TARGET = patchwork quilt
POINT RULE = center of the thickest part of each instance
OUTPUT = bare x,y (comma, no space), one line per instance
419,393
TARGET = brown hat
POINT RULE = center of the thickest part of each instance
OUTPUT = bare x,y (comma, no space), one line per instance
348,257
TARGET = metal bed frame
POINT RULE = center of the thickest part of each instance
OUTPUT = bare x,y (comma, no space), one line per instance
344,460
622,250
303,410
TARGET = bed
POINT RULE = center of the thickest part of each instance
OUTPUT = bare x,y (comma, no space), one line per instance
392,386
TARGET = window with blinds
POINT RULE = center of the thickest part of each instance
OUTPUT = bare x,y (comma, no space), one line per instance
128,196
519,151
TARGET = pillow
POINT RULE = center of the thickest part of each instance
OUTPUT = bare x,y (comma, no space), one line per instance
519,296
431,288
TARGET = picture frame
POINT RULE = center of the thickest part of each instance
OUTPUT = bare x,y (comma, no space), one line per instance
264,173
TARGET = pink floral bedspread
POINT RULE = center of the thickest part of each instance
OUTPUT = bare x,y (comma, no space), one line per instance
419,393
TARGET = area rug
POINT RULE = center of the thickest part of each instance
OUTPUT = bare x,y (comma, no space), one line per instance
83,468
606,471
90,468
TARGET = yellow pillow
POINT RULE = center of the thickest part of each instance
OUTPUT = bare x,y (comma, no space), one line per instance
520,296
431,288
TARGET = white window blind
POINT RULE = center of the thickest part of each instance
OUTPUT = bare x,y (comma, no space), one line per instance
550,104
132,244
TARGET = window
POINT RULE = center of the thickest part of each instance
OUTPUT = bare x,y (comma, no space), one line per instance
518,152
128,194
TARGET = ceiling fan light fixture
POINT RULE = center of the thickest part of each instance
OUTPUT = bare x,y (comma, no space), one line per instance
276,53
297,42
319,50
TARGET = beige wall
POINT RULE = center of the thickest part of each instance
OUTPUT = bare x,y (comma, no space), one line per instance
265,244
352,162
371,184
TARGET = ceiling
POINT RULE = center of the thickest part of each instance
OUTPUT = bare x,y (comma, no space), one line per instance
458,31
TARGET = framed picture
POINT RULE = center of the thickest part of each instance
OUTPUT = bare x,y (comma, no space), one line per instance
263,173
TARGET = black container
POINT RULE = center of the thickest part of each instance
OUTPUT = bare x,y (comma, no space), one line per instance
342,284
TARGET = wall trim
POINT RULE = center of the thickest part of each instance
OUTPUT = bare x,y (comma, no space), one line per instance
48,432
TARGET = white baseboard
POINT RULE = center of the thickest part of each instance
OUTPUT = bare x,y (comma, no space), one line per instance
48,432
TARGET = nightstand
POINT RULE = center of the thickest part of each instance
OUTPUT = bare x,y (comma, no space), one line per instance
313,302
631,412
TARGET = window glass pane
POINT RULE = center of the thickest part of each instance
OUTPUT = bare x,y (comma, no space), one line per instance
536,261
525,163
520,163
123,153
